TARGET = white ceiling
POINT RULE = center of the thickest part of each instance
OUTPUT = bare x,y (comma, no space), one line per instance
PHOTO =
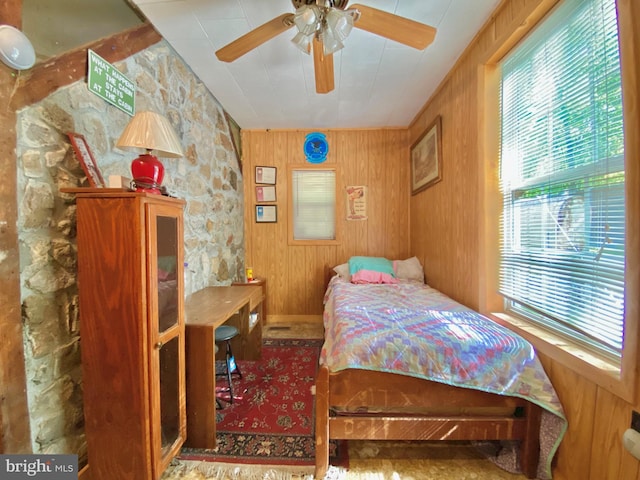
379,83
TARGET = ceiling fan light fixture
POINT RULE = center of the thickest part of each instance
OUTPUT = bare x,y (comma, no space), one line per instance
330,42
340,23
322,27
303,42
306,19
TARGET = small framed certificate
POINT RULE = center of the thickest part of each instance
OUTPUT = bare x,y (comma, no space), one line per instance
265,193
266,214
266,175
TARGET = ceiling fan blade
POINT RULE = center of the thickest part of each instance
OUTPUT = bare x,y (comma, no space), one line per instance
323,67
388,25
255,38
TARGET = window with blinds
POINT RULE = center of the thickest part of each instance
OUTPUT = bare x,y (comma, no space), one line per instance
562,177
314,204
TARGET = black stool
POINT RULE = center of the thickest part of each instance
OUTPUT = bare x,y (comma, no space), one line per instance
218,404
225,333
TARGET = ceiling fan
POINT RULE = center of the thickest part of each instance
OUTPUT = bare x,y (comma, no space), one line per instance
322,27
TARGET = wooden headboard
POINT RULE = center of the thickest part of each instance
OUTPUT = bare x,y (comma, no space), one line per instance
328,274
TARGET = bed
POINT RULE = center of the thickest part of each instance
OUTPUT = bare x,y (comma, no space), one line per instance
402,361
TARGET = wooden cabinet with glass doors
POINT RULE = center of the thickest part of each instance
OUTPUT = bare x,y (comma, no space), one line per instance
130,279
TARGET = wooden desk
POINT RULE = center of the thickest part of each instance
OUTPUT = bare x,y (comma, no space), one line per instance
206,310
263,283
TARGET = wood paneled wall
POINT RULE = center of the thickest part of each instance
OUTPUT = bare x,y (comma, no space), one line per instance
295,275
448,225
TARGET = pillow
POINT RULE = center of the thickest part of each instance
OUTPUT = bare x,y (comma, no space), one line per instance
343,271
376,264
371,270
371,276
409,269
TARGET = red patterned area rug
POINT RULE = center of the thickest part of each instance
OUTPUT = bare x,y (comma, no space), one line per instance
271,420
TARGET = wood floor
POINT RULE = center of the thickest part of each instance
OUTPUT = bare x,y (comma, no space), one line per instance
368,460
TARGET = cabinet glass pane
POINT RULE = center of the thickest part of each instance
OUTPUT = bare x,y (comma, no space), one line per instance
169,393
167,247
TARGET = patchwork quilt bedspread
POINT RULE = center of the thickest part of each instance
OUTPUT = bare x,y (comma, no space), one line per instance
412,329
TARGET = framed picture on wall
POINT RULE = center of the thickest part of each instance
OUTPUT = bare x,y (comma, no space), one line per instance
266,214
266,175
236,139
265,193
356,202
426,158
85,157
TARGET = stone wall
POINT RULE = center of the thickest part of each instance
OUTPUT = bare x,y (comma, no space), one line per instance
207,177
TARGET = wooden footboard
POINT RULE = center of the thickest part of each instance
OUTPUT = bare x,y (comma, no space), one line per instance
349,390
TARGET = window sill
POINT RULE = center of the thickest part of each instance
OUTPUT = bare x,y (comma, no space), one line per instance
603,372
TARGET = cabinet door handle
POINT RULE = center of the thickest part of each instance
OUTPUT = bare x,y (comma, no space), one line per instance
159,345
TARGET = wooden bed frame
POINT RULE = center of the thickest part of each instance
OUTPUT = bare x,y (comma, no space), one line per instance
353,388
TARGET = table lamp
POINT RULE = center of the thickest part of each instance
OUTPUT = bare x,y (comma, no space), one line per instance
154,133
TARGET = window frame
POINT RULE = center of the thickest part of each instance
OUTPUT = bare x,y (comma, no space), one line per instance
338,205
559,148
619,379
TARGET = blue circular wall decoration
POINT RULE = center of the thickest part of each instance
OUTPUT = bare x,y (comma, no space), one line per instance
316,147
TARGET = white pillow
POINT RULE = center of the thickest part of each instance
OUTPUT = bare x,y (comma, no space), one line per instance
409,269
343,271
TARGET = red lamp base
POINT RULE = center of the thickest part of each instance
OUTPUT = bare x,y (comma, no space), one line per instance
148,173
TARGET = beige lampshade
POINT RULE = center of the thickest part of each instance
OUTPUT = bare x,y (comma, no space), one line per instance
153,132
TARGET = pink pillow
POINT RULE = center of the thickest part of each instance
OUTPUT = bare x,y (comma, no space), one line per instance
370,276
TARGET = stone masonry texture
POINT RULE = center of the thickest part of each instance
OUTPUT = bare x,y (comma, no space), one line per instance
208,177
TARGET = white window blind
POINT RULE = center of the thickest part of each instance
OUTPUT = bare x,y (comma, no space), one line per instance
314,204
562,177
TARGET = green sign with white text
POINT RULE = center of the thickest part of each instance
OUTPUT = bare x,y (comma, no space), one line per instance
108,83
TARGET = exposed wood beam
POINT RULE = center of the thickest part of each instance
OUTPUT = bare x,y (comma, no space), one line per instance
47,77
15,436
